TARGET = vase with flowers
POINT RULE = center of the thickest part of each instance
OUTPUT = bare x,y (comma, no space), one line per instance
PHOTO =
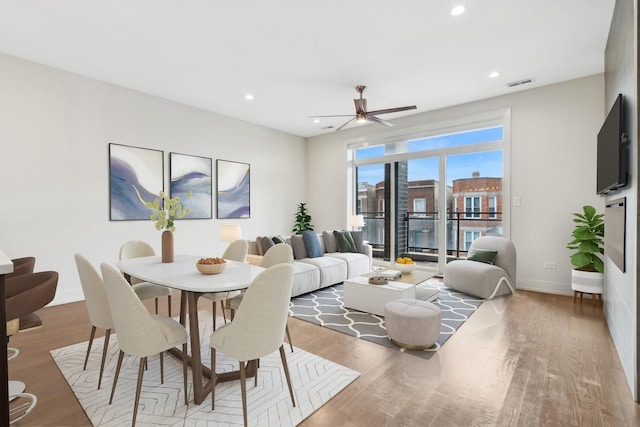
164,211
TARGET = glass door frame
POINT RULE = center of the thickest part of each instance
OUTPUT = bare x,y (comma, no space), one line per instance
393,139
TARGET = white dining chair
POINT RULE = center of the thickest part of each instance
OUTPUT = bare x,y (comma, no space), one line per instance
277,254
95,299
144,290
140,333
258,327
237,251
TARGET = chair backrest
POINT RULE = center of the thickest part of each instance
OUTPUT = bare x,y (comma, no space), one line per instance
237,251
138,334
506,258
21,266
27,293
259,324
94,294
277,254
135,249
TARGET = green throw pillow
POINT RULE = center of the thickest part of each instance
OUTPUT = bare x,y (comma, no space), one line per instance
345,241
482,255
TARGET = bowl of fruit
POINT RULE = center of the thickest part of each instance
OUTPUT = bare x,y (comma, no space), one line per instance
210,265
404,264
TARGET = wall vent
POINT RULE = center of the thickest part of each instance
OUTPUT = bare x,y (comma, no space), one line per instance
521,82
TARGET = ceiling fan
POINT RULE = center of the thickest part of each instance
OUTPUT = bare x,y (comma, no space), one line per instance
362,115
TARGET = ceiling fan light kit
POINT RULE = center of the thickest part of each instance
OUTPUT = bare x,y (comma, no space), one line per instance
363,116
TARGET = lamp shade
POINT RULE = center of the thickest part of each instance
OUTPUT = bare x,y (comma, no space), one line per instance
230,233
357,220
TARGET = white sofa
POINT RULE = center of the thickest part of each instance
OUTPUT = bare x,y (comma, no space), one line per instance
312,273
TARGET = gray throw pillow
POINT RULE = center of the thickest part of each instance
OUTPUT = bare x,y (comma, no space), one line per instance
312,244
297,244
259,244
357,237
279,239
330,244
267,243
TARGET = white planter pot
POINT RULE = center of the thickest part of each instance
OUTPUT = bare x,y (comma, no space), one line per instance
587,282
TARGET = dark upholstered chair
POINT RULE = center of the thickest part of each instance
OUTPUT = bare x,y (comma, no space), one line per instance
27,293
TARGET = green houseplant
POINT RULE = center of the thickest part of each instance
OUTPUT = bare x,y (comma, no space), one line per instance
302,219
588,236
587,275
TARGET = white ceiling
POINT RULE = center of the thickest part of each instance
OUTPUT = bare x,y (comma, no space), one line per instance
300,58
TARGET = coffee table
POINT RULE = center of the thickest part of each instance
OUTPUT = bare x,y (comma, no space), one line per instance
360,295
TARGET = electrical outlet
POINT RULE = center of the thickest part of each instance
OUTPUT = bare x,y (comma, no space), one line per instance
550,264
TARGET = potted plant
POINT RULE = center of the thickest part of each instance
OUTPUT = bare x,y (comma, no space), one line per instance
303,219
588,234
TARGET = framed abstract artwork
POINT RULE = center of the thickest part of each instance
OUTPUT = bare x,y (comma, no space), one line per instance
233,189
134,173
192,173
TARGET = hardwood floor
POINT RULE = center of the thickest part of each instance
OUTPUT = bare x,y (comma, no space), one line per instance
529,359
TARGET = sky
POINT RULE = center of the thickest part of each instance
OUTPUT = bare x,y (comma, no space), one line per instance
489,163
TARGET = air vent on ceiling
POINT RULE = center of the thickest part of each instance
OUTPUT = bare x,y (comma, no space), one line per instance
521,82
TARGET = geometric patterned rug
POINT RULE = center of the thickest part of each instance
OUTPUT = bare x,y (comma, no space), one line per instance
315,381
325,307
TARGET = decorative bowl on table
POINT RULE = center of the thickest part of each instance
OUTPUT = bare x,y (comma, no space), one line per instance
211,265
405,265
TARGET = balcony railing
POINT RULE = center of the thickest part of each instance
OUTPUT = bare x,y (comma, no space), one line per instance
420,232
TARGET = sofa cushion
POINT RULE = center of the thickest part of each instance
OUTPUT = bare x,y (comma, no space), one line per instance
264,243
279,239
330,244
297,244
482,255
358,240
345,241
311,244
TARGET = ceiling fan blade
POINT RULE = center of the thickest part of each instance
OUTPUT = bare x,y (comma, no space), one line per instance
345,124
378,120
341,115
392,110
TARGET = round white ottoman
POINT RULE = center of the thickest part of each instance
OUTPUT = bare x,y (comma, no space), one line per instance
412,324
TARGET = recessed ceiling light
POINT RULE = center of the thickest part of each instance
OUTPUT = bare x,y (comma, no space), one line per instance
248,97
316,120
458,10
494,74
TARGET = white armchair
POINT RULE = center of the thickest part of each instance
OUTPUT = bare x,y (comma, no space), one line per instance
488,278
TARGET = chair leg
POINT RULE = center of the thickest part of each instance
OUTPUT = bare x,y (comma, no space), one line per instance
214,378
86,358
143,361
161,367
184,373
156,300
224,314
243,388
286,373
115,378
104,355
289,337
213,310
169,304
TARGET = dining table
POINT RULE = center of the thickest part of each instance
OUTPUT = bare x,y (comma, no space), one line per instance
182,275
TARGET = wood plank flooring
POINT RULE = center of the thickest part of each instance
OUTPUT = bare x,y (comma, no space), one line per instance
529,359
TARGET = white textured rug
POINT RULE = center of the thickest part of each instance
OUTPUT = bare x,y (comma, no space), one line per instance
315,381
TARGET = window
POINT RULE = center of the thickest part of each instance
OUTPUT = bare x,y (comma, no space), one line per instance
419,207
492,200
472,207
469,237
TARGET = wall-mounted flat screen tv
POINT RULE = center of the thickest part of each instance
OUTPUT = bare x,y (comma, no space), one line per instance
613,155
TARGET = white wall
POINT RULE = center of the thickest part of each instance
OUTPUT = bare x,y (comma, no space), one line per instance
553,163
55,128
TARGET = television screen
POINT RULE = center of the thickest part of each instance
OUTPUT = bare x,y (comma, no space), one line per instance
612,151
